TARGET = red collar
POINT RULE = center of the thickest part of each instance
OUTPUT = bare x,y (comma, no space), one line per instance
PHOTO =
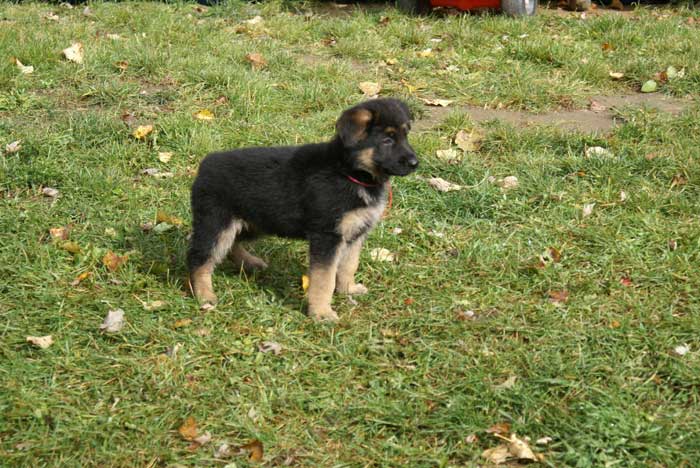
358,182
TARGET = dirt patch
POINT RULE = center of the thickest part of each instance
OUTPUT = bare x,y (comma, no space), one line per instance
582,120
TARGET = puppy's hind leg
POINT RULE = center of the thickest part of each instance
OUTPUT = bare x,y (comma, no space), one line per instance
242,258
212,238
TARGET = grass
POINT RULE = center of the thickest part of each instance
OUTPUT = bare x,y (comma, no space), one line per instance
400,381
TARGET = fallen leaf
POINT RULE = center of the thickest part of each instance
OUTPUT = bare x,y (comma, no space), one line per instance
383,20
163,217
160,228
59,233
673,73
113,261
154,305
465,315
606,46
13,147
520,449
24,69
50,192
471,439
672,244
87,11
616,75
587,209
469,141
129,118
80,278
252,414
256,60
623,196
502,428
75,52
649,86
110,232
442,185
497,455
113,322
396,231
450,156
270,347
182,323
147,226
436,102
615,324
204,114
509,182
224,451
254,449
42,342
506,384
595,106
598,151
678,180
202,332
626,281
369,88
381,255
164,156
113,36
199,441
543,440
558,297
155,172
188,430
680,350
425,53
408,301
142,131
51,16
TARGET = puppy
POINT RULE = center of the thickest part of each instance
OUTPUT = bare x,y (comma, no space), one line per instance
331,194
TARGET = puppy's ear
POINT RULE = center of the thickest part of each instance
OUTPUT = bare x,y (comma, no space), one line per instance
404,107
352,125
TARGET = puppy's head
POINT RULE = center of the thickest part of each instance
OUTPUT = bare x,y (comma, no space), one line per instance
375,136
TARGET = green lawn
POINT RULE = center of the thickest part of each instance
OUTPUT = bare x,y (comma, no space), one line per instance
407,377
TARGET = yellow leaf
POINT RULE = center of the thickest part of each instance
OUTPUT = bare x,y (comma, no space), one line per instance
254,449
616,75
188,430
71,247
182,323
82,276
425,53
113,261
469,141
142,131
75,52
304,282
163,217
204,114
370,88
436,102
164,156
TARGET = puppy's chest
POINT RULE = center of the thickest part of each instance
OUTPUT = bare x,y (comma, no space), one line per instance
358,222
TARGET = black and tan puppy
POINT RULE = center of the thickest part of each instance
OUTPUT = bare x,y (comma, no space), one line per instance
331,194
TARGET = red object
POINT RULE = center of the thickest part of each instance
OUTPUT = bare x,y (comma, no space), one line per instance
391,192
467,4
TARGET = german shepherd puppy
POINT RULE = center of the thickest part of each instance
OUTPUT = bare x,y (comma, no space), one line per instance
330,194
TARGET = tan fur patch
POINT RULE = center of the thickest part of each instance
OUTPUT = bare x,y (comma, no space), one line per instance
321,286
245,259
390,130
347,267
359,221
364,160
200,279
225,241
406,127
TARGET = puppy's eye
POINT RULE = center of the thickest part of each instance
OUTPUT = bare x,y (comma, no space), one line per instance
388,141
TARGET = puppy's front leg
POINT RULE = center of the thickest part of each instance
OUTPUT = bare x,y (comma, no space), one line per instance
324,253
347,267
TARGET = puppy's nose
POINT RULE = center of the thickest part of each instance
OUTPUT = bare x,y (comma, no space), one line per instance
412,161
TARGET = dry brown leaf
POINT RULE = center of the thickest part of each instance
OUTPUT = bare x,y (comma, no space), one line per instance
469,141
626,281
254,449
616,75
672,244
436,102
13,147
502,428
678,180
154,305
506,384
384,20
204,114
122,65
254,20
520,449
587,209
188,430
442,185
595,106
224,451
370,88
471,439
42,342
202,332
113,261
75,52
142,131
80,278
24,69
497,455
50,192
257,61
59,233
450,156
543,440
509,182
558,297
113,322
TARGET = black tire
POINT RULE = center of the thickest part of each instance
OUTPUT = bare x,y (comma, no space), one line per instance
519,7
414,7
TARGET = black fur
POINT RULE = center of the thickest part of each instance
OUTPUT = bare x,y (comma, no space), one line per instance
302,191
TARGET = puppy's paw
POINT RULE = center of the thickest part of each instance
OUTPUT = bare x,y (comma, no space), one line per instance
207,300
254,264
323,314
357,288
